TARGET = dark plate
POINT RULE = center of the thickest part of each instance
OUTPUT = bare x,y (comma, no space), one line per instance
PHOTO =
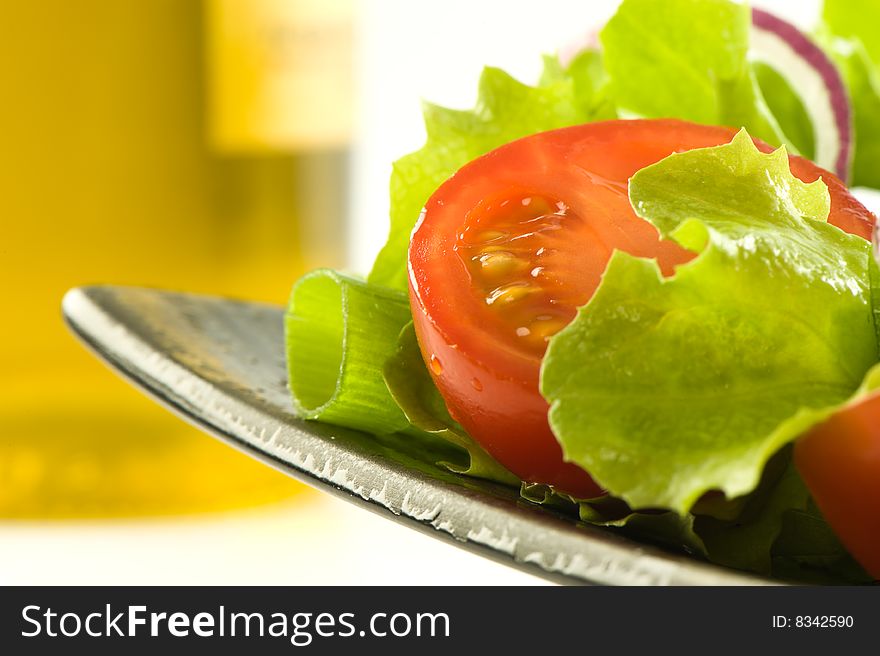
220,365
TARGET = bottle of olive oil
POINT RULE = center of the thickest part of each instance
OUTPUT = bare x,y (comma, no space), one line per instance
198,146
279,120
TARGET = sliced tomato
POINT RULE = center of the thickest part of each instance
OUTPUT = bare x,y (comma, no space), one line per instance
510,246
840,463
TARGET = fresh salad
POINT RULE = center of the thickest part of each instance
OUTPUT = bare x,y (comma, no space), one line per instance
640,289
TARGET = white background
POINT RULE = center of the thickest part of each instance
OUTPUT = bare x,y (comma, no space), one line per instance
410,51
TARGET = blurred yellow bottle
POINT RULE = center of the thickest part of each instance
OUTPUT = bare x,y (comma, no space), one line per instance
158,143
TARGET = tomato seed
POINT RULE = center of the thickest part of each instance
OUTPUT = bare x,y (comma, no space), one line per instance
500,263
488,236
511,293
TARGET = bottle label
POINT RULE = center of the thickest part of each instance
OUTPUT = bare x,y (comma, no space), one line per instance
279,74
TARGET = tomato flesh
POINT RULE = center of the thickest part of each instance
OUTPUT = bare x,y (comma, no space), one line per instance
840,463
509,247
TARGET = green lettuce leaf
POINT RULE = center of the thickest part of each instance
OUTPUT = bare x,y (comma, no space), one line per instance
686,59
590,81
855,18
506,110
774,531
663,528
746,542
808,551
677,59
664,389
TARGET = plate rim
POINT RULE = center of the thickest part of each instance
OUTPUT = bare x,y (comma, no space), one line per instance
434,506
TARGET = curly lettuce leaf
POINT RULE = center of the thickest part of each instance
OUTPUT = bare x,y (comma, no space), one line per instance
746,542
682,59
506,110
686,59
774,531
664,389
591,84
664,528
808,551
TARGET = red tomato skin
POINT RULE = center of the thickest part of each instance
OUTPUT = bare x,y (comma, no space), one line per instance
839,461
517,415
491,389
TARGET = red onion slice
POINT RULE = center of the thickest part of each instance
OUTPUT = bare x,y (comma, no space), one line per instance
815,79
